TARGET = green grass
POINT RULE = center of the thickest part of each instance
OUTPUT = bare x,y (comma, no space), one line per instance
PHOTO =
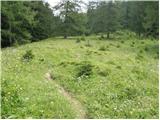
123,80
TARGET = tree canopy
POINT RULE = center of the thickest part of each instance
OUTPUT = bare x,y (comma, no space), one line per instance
29,21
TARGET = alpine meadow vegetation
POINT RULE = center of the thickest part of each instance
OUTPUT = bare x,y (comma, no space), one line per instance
79,60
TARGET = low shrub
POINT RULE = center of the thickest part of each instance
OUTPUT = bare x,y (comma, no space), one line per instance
142,42
81,46
122,41
104,48
41,59
119,67
78,40
102,37
141,51
28,55
146,49
132,45
118,46
83,38
84,70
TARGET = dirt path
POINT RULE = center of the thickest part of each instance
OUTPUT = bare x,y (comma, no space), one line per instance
76,105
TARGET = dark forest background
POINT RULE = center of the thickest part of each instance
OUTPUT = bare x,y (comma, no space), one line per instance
29,21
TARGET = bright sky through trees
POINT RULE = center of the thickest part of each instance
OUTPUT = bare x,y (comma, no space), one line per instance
55,2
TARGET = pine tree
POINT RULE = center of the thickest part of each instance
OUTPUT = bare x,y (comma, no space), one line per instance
151,19
69,16
106,19
45,18
16,19
137,17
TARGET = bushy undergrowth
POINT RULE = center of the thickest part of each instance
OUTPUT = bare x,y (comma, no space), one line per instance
118,46
83,38
122,41
28,55
104,48
78,40
84,70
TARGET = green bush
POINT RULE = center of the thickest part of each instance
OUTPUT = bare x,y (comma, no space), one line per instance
132,45
118,46
41,59
78,40
99,38
146,49
83,38
141,51
102,37
102,48
122,41
81,47
28,55
119,67
84,70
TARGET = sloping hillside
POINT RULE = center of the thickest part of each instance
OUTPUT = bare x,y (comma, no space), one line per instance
106,78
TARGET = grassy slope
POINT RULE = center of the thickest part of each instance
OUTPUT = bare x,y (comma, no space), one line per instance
124,83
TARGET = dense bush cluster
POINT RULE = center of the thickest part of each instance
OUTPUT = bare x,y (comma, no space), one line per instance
84,70
28,55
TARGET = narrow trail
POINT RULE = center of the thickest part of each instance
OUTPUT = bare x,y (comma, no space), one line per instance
76,105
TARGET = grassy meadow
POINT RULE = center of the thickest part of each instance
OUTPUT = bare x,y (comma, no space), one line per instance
115,78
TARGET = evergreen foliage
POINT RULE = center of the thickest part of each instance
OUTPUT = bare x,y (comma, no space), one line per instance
29,21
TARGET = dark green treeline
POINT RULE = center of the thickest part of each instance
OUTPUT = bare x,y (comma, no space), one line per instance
29,21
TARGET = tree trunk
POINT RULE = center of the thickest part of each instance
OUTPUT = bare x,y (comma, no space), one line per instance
139,35
102,36
65,36
10,29
88,43
107,35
